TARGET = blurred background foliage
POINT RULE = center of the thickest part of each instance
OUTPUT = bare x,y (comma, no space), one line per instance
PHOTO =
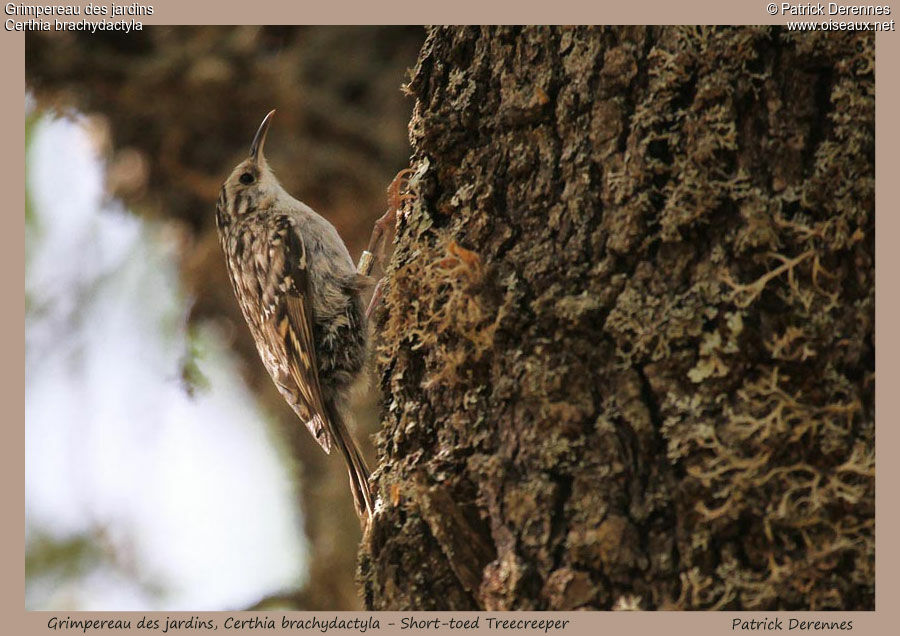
163,470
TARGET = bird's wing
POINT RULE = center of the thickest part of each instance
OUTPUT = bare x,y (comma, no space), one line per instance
289,322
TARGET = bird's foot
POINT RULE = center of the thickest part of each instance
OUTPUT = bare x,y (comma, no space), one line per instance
375,251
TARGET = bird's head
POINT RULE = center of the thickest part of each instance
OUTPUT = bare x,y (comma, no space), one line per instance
251,184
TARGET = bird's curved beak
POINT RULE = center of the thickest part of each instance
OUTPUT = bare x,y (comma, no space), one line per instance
256,147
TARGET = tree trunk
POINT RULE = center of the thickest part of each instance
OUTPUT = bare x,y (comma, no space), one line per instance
627,350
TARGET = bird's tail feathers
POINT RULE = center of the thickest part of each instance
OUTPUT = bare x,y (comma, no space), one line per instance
356,468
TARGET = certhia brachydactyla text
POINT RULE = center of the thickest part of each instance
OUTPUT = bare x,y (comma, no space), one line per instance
300,295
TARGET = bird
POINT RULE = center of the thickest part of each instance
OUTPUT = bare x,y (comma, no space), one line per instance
301,297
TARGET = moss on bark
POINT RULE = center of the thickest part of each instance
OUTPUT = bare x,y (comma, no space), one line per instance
627,342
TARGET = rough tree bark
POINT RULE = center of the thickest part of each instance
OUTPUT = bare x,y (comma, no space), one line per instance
627,345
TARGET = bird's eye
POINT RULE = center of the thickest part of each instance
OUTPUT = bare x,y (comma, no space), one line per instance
247,178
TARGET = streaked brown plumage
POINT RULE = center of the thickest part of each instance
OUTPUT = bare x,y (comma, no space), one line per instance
300,295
